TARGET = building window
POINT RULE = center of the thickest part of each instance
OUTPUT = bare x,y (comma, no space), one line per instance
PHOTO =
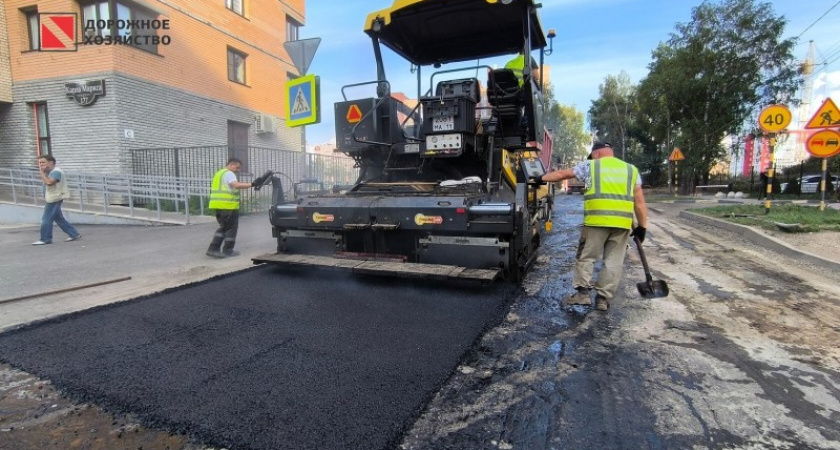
292,29
33,24
42,128
95,12
236,6
236,65
125,11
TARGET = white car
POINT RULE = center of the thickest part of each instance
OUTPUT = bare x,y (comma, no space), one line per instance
811,183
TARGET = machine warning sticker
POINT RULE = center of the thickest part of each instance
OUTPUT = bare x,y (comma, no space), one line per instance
318,218
354,114
421,219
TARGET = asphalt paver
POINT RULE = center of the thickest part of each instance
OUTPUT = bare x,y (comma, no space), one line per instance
267,359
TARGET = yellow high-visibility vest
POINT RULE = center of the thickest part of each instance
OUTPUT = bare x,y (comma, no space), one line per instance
223,196
609,200
517,65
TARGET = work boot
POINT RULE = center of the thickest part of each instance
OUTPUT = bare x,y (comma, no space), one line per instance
601,303
214,254
581,297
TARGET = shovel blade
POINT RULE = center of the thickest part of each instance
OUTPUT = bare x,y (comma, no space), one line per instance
653,289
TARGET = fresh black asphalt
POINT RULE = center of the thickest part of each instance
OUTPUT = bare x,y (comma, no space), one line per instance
267,359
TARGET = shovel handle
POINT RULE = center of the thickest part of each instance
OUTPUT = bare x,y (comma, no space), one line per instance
648,276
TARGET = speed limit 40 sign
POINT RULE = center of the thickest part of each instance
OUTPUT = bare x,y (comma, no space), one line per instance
774,118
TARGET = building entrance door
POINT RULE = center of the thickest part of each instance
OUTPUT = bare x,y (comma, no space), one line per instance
238,142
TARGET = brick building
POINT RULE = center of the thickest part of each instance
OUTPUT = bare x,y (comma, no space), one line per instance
185,73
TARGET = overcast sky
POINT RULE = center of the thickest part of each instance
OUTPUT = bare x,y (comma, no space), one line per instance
594,39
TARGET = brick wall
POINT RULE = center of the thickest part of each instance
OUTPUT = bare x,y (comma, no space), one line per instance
5,62
94,139
5,81
180,96
196,59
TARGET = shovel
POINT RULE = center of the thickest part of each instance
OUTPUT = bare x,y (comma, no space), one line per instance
650,288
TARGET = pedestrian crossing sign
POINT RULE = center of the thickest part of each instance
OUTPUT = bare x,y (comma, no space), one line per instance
302,101
828,116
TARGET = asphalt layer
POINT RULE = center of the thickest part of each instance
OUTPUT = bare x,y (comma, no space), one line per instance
267,359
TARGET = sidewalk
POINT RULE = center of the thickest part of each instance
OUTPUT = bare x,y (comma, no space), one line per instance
22,213
682,207
154,257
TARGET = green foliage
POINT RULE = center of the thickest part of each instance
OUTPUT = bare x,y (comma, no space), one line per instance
611,115
196,203
173,206
567,125
810,217
709,80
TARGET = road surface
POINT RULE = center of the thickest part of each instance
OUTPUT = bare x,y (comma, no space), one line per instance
742,354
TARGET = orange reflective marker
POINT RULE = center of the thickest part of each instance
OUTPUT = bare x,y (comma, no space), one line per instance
354,114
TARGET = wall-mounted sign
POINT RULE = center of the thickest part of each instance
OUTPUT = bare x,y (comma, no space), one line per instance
85,92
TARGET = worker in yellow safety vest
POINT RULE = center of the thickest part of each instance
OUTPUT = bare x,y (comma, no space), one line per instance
517,64
224,199
612,197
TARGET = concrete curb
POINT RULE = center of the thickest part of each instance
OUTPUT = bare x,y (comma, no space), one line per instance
759,238
16,214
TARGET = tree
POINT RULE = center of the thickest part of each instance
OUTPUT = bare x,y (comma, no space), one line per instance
567,125
712,75
611,114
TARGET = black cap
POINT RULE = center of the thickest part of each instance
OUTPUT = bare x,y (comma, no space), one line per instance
598,145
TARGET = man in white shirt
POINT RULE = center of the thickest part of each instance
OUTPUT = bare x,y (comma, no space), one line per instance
55,192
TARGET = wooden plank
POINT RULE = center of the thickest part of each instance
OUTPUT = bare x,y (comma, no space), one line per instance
389,268
480,274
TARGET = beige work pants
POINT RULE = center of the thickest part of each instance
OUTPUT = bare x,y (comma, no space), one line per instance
609,244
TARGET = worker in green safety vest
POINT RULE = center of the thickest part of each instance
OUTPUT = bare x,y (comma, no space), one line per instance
517,65
224,199
614,210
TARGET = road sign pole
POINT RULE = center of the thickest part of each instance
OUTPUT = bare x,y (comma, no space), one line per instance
772,119
823,183
676,178
670,178
770,171
676,156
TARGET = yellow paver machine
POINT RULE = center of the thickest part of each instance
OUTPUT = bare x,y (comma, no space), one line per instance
443,190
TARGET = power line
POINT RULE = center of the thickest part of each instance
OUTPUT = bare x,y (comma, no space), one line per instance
830,52
815,22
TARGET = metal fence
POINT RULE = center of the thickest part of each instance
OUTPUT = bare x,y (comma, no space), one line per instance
203,162
200,163
177,180
146,197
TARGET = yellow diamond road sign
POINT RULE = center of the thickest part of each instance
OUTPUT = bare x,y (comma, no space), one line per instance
828,116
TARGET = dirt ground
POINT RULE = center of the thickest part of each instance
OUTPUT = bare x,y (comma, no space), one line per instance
742,354
825,244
